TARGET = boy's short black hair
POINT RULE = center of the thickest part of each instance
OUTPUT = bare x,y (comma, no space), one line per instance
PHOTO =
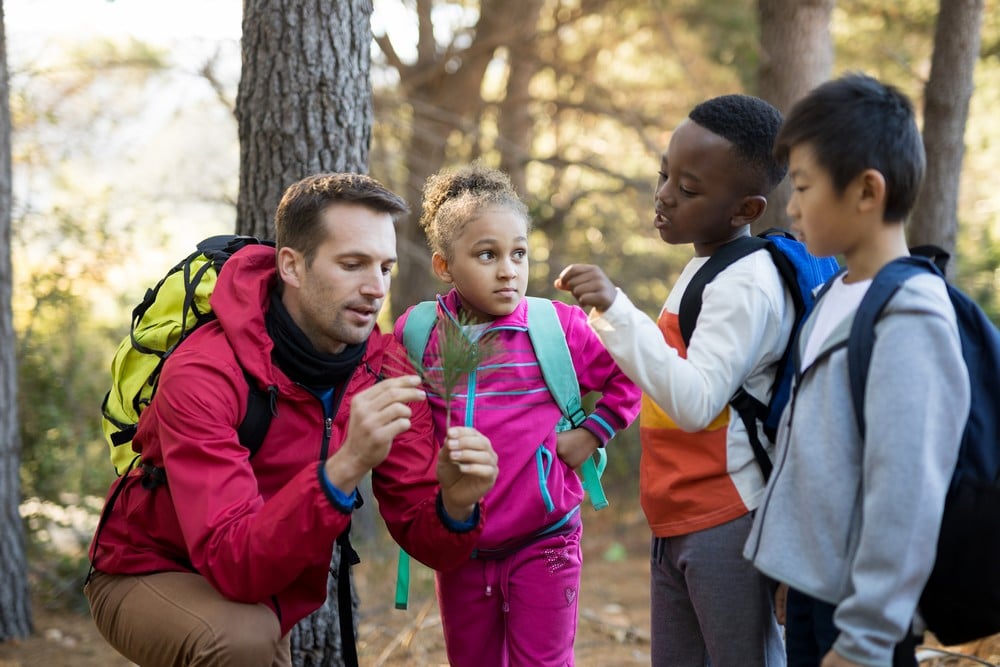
750,124
855,123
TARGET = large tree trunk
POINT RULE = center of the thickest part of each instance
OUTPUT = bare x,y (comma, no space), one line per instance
946,109
304,103
796,56
304,106
15,607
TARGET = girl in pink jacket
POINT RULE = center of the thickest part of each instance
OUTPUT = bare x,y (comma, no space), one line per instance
515,601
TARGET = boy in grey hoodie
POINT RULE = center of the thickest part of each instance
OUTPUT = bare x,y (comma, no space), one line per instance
850,524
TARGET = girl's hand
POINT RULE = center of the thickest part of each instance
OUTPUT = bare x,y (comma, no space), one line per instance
575,446
466,469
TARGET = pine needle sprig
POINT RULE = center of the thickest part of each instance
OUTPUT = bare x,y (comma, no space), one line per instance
459,356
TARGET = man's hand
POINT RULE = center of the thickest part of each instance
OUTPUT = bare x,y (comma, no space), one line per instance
834,659
378,415
466,470
575,446
588,284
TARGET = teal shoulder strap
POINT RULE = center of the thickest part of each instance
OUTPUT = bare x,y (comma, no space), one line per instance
549,342
417,328
416,332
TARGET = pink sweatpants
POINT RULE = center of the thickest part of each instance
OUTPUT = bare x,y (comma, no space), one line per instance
520,610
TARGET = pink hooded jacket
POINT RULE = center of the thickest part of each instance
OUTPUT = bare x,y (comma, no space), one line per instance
508,401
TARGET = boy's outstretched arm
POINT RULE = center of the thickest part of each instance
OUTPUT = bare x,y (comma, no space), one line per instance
588,284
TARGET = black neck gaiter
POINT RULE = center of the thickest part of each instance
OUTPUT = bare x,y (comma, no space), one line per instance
296,356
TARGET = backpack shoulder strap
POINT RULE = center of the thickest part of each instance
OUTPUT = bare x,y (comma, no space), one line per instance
257,420
690,306
417,328
862,337
549,342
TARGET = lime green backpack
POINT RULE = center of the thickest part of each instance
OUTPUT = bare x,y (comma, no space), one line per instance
167,315
549,342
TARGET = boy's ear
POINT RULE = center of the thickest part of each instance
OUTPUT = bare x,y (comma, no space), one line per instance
440,266
751,208
871,190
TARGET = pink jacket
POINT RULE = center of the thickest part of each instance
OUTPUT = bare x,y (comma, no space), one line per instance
262,530
507,400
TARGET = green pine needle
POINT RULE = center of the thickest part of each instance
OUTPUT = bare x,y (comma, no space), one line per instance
458,358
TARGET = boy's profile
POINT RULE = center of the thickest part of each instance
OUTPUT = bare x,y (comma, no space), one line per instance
699,481
850,522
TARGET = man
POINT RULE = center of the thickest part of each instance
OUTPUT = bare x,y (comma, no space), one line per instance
210,556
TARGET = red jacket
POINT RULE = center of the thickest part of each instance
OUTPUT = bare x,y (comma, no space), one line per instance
261,530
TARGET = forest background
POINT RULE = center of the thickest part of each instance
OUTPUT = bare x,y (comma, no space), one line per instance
125,153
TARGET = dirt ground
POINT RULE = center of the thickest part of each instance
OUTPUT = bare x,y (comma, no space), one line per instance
613,625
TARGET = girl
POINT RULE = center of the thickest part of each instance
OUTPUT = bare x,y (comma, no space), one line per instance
515,601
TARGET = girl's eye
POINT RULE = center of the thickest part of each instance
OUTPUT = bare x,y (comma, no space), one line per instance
520,254
485,255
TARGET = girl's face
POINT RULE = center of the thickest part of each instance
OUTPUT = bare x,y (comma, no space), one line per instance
489,264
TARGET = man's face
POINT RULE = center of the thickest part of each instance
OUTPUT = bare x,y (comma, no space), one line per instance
336,299
700,189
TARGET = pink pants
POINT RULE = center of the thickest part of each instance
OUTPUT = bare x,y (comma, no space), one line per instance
519,610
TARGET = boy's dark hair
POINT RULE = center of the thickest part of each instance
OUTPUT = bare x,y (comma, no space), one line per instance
296,222
855,123
750,124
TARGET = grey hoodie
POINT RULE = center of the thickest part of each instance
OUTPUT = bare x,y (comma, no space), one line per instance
855,523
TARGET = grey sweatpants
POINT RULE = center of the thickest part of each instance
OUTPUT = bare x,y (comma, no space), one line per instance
708,604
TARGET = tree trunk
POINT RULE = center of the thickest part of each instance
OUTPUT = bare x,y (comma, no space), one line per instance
796,56
304,106
304,103
15,605
946,109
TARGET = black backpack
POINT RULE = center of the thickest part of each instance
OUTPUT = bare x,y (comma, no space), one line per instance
961,600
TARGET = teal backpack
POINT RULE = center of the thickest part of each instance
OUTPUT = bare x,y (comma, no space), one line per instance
549,342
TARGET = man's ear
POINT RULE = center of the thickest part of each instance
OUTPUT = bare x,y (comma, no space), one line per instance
291,264
871,190
751,208
440,266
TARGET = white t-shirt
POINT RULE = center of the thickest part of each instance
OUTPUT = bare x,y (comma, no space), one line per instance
840,301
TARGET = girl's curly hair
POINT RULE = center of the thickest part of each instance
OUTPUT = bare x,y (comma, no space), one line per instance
453,198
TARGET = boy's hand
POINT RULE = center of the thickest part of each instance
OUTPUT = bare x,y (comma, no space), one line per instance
588,284
378,415
575,446
466,469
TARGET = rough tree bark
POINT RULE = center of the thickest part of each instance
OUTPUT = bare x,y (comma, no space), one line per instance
15,606
304,106
304,103
796,55
946,109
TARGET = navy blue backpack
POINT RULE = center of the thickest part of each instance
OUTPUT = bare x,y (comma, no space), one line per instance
802,273
961,600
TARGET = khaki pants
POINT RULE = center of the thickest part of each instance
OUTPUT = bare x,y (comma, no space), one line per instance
176,619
